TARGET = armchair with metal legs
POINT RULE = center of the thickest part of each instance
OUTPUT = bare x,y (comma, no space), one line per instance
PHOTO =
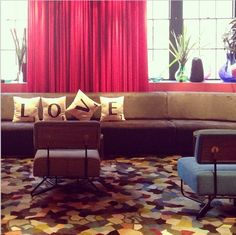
211,172
66,149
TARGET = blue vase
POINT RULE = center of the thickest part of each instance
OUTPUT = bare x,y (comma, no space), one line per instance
228,71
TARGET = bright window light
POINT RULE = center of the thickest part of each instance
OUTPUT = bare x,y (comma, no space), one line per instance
13,16
205,24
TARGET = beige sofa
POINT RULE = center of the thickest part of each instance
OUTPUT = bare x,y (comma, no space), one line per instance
156,122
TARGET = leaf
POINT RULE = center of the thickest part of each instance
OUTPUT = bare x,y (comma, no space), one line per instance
182,47
20,50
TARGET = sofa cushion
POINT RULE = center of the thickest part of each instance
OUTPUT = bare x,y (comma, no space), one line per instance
112,108
184,132
17,139
202,105
138,137
66,163
25,109
82,107
54,108
137,105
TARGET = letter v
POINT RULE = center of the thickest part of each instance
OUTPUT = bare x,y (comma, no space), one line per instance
85,108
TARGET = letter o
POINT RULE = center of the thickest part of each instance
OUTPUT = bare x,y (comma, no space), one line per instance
50,110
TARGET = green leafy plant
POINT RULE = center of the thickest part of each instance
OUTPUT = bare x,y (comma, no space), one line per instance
20,49
229,38
181,47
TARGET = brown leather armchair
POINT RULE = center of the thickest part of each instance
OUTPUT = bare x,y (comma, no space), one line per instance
66,149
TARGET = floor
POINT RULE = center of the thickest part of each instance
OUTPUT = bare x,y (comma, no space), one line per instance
141,197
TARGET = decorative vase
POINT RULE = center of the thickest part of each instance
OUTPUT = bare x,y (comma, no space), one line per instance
197,73
19,76
180,74
228,71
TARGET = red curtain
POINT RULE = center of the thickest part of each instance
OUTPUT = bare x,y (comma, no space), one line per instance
88,45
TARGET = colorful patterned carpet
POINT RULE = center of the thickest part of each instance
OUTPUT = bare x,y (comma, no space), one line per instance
143,197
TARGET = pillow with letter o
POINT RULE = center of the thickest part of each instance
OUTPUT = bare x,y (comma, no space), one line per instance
54,108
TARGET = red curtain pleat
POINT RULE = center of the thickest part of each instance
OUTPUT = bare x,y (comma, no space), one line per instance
96,46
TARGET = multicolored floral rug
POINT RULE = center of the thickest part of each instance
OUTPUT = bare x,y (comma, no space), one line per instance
142,197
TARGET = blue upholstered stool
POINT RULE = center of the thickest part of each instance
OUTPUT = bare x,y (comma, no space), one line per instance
211,171
200,178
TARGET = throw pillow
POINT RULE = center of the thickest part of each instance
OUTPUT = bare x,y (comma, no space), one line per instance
112,109
54,108
82,107
25,109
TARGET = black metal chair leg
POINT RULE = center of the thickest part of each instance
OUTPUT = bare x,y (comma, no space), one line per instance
205,208
37,192
98,191
105,184
85,181
93,185
187,196
38,185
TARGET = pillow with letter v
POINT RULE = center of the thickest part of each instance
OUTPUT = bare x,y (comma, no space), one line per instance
25,109
82,107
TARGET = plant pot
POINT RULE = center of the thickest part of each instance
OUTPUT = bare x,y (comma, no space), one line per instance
180,74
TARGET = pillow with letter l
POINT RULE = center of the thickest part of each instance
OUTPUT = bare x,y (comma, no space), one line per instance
112,109
82,107
25,109
54,108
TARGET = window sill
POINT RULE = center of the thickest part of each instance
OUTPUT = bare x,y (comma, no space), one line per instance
205,86
12,82
14,87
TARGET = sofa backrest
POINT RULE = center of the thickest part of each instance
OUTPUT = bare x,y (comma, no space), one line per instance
202,105
67,135
137,105
215,145
149,105
7,103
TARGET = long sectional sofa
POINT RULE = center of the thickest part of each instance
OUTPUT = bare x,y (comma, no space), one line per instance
157,123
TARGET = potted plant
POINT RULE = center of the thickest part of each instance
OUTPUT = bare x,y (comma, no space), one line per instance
20,51
180,50
229,38
228,71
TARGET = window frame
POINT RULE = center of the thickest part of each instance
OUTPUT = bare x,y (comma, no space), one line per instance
7,48
176,23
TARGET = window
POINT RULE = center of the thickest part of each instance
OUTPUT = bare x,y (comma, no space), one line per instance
206,25
158,18
13,16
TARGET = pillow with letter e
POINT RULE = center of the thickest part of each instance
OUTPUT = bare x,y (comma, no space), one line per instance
82,107
112,109
54,108
25,109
